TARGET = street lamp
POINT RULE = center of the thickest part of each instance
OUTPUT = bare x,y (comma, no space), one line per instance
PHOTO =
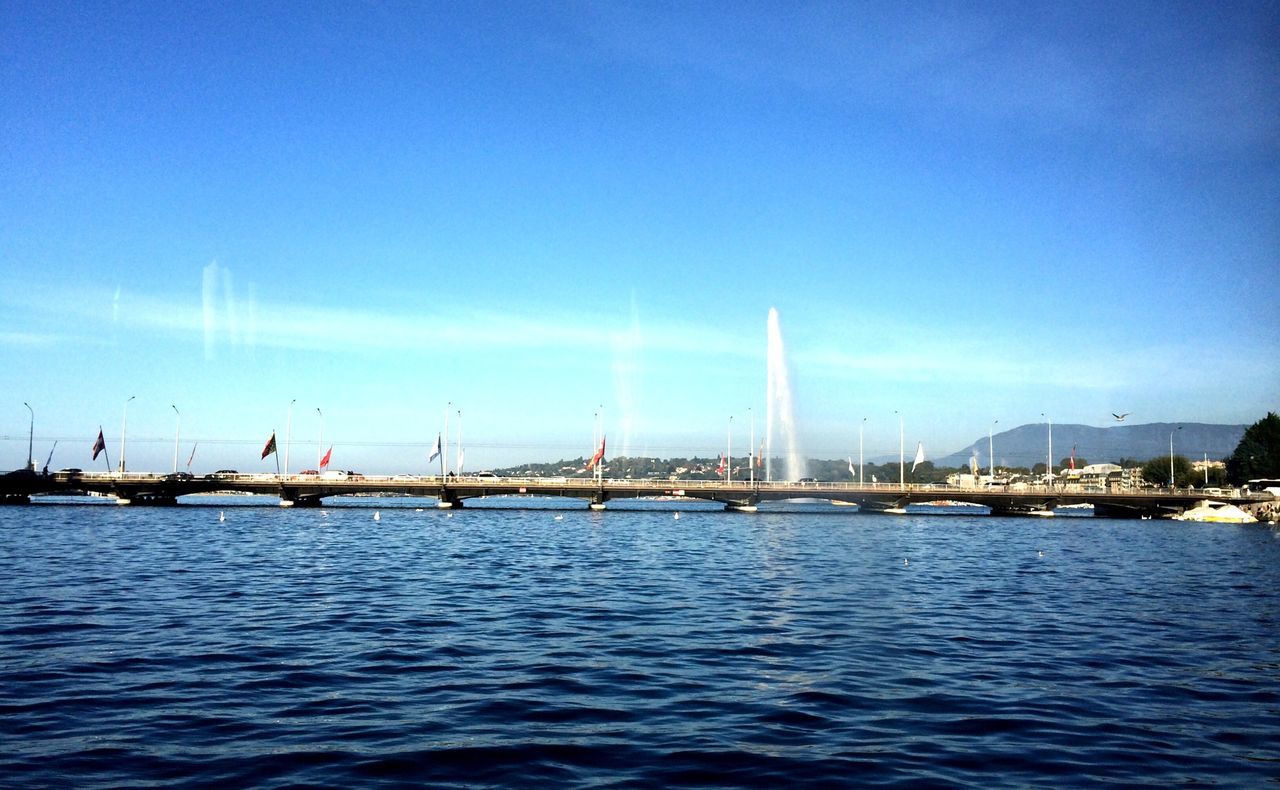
861,430
124,422
288,435
31,437
177,432
902,452
1049,470
751,448
320,441
1171,456
728,466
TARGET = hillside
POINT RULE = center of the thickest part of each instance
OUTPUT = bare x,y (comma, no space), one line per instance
1028,444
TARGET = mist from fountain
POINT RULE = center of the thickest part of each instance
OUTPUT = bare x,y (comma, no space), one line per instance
780,415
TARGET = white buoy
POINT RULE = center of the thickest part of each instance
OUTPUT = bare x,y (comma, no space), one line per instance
377,516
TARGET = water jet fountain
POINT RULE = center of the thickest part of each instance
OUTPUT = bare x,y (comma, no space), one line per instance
779,410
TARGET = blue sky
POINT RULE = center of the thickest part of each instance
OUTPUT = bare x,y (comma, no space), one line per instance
962,212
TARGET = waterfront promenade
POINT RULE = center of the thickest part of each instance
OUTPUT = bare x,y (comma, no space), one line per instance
300,490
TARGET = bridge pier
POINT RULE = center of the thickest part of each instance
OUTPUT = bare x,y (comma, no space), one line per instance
882,507
159,500
447,499
300,501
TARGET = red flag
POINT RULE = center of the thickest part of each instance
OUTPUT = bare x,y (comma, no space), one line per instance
325,461
598,457
271,445
1073,456
760,456
99,445
720,468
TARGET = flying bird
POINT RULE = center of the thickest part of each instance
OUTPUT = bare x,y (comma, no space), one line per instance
1120,417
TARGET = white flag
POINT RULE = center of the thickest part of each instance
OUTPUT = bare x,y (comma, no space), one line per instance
435,450
919,457
851,471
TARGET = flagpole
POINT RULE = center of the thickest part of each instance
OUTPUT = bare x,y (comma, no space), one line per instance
751,448
288,435
124,422
458,467
275,453
192,457
106,456
320,441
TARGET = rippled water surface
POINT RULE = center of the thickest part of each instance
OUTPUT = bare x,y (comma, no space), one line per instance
161,646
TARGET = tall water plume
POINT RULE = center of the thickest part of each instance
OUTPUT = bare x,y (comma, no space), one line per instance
780,414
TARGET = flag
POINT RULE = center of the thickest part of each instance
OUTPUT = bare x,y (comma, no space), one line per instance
598,457
435,450
271,445
973,464
325,461
99,445
760,456
919,457
1073,456
720,468
462,455
851,469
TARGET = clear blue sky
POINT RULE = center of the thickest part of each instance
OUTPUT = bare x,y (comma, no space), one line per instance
964,212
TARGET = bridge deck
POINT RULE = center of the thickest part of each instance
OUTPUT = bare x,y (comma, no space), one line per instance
743,494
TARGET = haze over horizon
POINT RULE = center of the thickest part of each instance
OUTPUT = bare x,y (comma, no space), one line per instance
539,212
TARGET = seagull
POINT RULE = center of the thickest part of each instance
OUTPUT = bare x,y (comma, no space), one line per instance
904,562
677,516
1120,417
222,516
377,516
559,518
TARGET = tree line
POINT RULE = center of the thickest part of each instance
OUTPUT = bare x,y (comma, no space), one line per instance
1257,456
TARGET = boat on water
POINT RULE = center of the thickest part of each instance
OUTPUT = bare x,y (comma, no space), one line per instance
1216,513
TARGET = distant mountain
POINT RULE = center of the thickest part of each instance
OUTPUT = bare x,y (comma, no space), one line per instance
1028,445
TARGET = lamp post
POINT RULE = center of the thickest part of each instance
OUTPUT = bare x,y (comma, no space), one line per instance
991,448
31,437
457,467
861,430
751,449
444,448
177,432
902,452
288,435
1048,479
728,465
320,441
1171,456
124,422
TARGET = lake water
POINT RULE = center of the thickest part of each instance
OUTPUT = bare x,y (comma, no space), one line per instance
162,647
